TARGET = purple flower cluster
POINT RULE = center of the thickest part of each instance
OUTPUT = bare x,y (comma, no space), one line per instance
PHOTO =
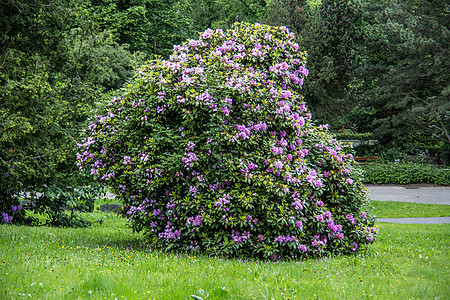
302,248
170,233
298,205
251,220
189,159
16,208
6,218
197,221
193,190
299,224
239,238
223,200
135,209
127,160
319,241
312,179
285,239
351,218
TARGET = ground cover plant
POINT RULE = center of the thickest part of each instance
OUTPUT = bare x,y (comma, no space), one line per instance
408,261
391,209
214,150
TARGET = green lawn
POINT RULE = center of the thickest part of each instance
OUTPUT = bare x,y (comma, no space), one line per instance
391,209
108,261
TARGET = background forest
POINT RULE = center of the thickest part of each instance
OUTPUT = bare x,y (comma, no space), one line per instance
378,70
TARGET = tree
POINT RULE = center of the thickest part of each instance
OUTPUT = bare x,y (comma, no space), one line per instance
223,13
290,13
55,66
406,75
148,26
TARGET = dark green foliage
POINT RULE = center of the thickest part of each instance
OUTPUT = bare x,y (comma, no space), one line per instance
151,27
406,75
223,13
55,66
405,173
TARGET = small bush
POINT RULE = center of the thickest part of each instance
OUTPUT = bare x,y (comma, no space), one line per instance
214,150
405,173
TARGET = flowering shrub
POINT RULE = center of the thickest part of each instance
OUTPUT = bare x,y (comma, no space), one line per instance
214,150
11,212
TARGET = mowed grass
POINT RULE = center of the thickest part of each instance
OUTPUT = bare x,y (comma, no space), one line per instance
392,209
108,262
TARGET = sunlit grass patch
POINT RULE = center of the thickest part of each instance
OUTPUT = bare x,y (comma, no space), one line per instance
392,209
109,261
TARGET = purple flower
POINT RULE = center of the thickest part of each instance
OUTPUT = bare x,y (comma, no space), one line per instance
320,218
283,143
189,159
298,205
127,160
169,233
350,218
235,235
332,226
223,201
190,146
197,221
302,248
193,190
6,218
285,239
16,208
319,203
363,216
207,34
355,246
349,181
279,165
252,166
277,150
225,111
303,71
299,224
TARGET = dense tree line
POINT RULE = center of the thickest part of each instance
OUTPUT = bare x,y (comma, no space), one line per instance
375,66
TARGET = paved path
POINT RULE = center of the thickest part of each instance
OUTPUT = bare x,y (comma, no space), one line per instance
435,220
423,193
411,193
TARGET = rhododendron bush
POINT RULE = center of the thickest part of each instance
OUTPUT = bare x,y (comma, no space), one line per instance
214,150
